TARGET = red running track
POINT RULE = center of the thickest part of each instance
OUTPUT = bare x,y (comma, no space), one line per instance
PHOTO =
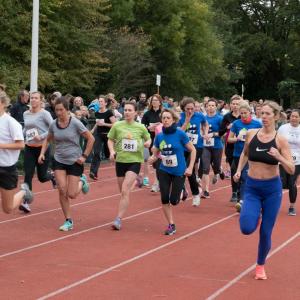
208,258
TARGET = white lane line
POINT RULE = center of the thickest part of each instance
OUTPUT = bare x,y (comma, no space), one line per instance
85,230
133,259
251,268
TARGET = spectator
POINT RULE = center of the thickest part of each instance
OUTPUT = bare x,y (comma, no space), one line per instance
20,106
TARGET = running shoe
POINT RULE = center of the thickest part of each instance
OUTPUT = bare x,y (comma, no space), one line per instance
227,174
234,197
205,194
292,211
184,195
198,179
28,197
139,181
155,188
117,224
171,229
67,226
93,176
222,175
53,180
215,179
260,273
25,207
146,181
85,185
238,206
196,200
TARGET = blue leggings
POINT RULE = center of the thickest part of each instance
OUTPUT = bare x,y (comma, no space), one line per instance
261,197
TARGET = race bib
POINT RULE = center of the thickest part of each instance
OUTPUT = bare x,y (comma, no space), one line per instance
209,143
129,145
169,160
242,135
31,133
193,137
296,157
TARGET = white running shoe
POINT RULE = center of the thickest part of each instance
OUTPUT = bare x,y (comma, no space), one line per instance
196,200
155,188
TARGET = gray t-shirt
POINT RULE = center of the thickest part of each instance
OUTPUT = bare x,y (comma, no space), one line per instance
67,147
36,124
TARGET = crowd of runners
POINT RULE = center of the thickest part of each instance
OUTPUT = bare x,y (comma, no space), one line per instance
182,140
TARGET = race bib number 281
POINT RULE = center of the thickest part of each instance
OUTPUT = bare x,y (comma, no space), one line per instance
129,145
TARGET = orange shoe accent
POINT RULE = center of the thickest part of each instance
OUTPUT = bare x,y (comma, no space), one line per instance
260,273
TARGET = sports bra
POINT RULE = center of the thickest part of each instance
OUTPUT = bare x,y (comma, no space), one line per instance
258,151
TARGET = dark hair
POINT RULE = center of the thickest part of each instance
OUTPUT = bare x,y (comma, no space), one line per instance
213,100
185,101
296,111
64,101
132,104
160,101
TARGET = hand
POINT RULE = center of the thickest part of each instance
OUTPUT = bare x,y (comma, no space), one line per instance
152,159
152,127
237,176
275,153
41,159
37,138
112,156
188,171
147,144
208,136
80,160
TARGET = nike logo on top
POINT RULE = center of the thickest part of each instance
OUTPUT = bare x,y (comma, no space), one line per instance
258,150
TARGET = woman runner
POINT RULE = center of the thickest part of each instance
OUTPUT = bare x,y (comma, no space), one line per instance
263,150
126,142
68,160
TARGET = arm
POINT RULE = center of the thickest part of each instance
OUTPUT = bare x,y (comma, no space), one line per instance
190,147
112,120
90,142
153,157
224,126
232,138
284,156
186,121
44,148
17,145
112,153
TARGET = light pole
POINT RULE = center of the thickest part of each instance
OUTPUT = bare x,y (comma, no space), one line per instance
34,46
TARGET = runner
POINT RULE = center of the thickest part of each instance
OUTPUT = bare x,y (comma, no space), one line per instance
104,121
193,123
36,125
126,142
292,132
151,119
236,137
229,147
172,143
68,160
213,147
263,149
11,142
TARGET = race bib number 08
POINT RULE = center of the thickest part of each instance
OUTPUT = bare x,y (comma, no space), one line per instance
31,133
129,145
209,143
170,161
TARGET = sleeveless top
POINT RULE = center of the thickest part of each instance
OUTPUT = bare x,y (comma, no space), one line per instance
258,151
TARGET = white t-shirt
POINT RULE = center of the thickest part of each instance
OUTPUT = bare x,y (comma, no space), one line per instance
293,136
10,131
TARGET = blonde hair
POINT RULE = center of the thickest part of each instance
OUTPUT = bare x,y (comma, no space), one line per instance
244,104
276,108
172,112
4,99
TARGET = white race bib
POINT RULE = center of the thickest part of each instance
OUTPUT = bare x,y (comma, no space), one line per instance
31,133
193,138
169,160
129,145
296,157
209,143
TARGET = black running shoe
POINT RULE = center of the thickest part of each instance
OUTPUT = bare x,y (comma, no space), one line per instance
205,194
222,175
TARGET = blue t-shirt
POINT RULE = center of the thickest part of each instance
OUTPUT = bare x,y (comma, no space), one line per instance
193,129
240,128
172,147
214,124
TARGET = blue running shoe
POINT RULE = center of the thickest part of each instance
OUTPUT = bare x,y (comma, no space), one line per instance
146,181
85,185
67,226
117,224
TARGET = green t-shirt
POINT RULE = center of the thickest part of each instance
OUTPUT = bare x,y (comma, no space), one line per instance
129,141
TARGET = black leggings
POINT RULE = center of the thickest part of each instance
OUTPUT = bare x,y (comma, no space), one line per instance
289,182
192,179
99,146
170,187
233,167
214,157
31,155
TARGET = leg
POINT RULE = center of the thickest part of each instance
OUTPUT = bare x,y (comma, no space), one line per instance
42,169
62,184
11,199
192,179
30,162
206,157
96,156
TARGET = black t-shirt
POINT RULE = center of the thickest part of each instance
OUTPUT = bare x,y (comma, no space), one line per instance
106,117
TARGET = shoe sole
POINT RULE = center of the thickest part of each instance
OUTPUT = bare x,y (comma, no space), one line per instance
65,230
24,209
171,233
260,278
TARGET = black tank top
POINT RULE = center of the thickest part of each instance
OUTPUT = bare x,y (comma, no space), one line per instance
258,150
